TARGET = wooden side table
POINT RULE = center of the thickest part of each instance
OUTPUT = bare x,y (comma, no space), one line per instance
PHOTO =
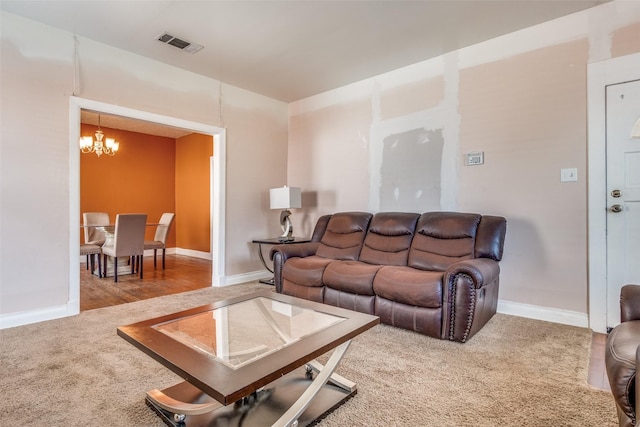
271,242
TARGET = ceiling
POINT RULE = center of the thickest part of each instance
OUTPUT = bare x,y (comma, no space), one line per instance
290,50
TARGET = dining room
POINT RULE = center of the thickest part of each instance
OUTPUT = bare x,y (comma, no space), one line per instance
154,171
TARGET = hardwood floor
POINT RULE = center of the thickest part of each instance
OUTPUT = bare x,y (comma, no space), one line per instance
181,274
184,274
597,371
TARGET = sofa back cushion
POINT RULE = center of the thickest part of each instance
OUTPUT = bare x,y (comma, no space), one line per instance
443,238
389,237
343,237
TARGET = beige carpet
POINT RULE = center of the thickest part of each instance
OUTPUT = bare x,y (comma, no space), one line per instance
515,372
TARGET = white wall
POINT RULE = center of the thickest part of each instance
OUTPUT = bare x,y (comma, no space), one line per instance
522,100
40,72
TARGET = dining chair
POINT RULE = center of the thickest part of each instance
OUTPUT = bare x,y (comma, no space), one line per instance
160,239
90,251
93,237
128,241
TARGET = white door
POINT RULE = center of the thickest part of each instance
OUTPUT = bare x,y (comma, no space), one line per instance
623,193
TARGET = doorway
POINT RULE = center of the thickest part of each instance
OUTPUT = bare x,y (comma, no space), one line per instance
217,184
602,75
623,193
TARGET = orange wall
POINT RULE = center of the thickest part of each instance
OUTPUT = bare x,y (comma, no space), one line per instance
192,163
140,178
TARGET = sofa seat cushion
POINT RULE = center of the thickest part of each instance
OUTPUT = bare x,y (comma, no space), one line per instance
427,321
305,271
348,300
409,286
351,276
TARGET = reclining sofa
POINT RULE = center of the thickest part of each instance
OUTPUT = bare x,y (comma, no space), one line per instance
435,273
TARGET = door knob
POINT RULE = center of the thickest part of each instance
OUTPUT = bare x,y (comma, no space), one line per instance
616,193
616,208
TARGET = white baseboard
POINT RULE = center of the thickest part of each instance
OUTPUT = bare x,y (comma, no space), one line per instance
190,252
11,320
554,315
247,277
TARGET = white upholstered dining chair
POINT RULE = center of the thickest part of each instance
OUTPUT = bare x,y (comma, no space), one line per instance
90,251
92,235
160,239
93,238
128,242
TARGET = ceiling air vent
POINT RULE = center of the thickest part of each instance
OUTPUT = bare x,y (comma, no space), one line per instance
179,43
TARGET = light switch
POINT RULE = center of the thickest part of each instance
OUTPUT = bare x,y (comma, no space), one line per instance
568,174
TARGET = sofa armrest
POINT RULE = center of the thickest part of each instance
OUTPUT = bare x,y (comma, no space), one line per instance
279,254
287,251
470,297
482,271
630,303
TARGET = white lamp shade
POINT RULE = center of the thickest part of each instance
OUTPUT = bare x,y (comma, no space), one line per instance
285,198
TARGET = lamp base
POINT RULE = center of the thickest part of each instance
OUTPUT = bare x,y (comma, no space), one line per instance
287,227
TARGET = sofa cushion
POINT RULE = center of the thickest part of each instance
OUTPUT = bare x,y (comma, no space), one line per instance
427,321
409,286
389,238
344,235
355,302
351,276
443,238
305,271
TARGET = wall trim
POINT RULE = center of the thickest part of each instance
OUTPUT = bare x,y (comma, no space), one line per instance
252,276
188,252
11,320
565,317
218,178
599,75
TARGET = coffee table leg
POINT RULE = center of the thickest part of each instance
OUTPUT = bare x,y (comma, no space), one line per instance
337,380
290,418
180,409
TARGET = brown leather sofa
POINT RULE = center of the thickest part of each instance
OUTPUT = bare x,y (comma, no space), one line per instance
435,273
622,356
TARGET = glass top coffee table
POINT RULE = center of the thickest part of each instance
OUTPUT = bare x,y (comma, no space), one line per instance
250,360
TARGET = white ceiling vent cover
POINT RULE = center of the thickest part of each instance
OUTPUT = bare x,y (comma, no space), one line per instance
179,43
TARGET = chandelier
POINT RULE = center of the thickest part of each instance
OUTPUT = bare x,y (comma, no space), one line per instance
109,146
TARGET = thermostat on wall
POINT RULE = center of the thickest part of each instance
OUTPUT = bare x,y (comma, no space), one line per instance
476,158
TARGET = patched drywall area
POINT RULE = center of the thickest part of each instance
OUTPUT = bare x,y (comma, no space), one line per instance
410,173
413,157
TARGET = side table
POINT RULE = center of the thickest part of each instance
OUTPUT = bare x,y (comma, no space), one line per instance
271,242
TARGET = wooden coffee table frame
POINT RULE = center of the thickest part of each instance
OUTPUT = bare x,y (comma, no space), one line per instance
285,388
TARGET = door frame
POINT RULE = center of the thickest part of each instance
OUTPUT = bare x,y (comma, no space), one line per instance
217,187
599,76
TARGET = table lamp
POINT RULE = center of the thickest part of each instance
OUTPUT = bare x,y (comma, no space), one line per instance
285,198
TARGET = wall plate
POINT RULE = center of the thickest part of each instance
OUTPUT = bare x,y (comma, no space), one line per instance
568,174
475,158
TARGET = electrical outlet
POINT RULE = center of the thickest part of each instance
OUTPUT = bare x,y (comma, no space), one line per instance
568,174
